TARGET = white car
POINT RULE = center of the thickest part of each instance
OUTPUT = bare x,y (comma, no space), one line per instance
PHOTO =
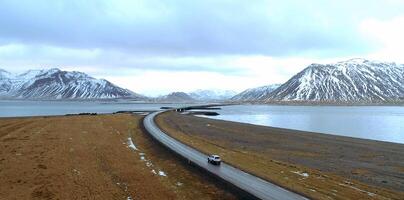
214,159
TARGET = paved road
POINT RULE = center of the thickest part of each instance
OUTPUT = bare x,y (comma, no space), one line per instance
247,182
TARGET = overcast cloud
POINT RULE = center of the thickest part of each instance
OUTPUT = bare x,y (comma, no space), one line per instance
141,45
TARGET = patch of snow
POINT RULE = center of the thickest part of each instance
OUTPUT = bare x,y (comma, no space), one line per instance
153,171
142,158
179,184
304,174
360,190
131,145
255,93
161,173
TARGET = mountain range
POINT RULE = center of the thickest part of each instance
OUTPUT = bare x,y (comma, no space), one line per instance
178,97
212,95
351,81
197,96
355,80
57,84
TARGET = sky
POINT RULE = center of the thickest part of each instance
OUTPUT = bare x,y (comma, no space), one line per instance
154,47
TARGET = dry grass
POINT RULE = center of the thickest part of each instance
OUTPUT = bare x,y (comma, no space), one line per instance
87,157
236,147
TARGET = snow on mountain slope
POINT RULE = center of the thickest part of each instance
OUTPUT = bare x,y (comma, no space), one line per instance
255,94
4,74
212,95
5,82
355,80
58,84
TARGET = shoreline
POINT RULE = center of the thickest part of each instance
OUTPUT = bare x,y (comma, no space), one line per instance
297,130
224,102
306,158
286,150
219,105
399,104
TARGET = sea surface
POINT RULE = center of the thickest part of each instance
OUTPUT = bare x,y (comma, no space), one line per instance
41,108
385,123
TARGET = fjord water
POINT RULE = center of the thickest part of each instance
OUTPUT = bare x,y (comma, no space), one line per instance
385,123
40,108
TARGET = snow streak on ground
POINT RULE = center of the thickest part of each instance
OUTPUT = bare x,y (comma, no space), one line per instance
350,185
304,174
161,173
144,159
131,145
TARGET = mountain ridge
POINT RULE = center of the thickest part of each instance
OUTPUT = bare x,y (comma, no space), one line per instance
57,84
211,95
255,94
172,97
354,80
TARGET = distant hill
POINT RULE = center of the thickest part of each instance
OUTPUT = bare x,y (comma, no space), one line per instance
58,84
255,94
175,97
212,95
351,81
196,96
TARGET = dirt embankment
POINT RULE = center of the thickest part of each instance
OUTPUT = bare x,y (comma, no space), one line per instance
319,166
91,157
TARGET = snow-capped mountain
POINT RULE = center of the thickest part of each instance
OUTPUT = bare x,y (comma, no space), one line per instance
355,80
175,97
255,94
58,84
212,95
5,83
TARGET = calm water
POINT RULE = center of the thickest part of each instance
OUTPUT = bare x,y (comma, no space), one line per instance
370,122
36,108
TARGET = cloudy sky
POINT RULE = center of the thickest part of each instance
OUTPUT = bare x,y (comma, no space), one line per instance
154,47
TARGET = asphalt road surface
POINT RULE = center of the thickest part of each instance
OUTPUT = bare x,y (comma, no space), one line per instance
251,184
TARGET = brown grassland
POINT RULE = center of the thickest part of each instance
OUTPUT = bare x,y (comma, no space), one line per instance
318,166
87,157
